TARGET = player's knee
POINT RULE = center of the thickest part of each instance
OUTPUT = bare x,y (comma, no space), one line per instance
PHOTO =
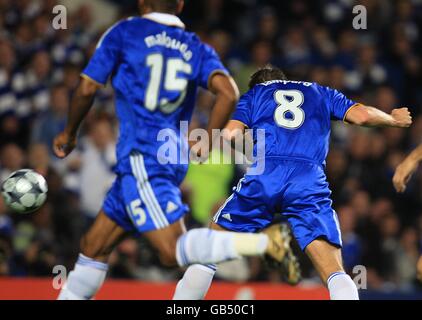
167,253
325,257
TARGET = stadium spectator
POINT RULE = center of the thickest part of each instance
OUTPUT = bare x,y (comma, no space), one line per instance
53,120
97,158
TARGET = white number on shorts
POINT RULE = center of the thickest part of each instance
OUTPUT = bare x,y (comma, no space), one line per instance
137,213
289,102
172,82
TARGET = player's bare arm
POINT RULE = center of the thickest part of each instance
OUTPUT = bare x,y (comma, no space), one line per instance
403,174
227,95
236,135
419,269
234,129
372,117
80,105
406,169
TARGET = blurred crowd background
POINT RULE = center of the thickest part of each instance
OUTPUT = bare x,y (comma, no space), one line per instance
311,40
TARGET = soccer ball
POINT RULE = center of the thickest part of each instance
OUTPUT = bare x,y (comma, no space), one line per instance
24,191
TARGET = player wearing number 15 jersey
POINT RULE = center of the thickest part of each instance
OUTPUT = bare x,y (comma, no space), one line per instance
296,117
160,67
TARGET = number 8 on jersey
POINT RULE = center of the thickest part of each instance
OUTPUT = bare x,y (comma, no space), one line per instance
289,102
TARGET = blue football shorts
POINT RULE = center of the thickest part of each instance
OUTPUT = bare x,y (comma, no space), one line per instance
295,188
146,196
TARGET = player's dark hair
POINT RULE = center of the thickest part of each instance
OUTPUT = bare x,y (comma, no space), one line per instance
167,6
268,73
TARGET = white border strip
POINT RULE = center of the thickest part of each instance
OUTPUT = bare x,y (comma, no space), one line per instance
136,171
150,193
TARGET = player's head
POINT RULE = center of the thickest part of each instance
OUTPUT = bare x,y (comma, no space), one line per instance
164,6
268,73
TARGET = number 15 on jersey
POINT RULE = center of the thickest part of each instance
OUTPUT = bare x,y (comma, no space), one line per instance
174,68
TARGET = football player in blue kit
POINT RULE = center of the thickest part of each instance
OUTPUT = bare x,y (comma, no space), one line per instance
402,176
155,68
297,118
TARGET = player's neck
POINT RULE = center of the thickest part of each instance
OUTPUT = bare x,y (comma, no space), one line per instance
148,10
165,18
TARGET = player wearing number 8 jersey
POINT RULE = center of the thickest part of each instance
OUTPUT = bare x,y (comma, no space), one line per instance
297,118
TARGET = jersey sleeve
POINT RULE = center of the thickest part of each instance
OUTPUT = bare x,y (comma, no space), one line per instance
210,65
244,109
106,56
339,104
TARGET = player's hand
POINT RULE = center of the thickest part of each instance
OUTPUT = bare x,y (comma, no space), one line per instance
402,117
403,174
63,144
419,269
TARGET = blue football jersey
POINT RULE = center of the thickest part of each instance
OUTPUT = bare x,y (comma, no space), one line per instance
156,68
296,117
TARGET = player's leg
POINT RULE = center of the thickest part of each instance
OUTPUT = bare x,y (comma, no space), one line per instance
197,279
109,227
195,283
164,241
201,248
307,206
207,246
319,236
326,259
91,267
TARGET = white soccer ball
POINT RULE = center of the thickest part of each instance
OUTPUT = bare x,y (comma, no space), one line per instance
24,191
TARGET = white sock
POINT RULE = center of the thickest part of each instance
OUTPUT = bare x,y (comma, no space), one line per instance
206,246
195,282
85,280
342,287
